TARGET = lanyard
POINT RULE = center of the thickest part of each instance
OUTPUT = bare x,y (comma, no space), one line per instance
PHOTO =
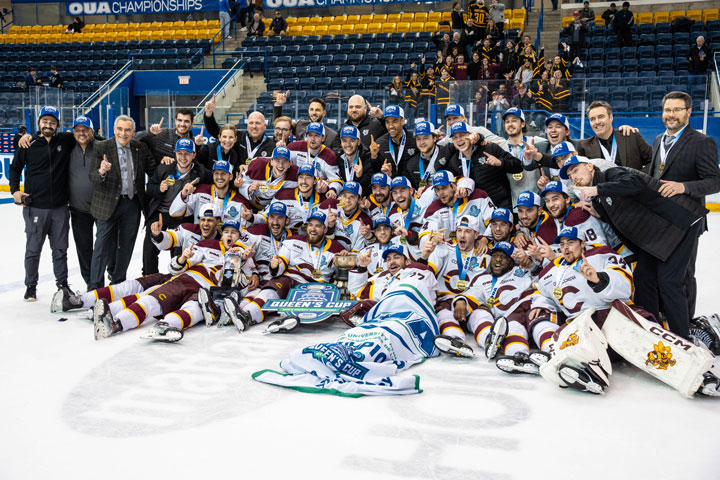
431,165
315,166
400,149
219,152
663,152
513,149
466,166
493,288
408,216
462,264
453,217
301,200
316,262
610,157
274,243
562,222
225,200
251,153
560,275
350,172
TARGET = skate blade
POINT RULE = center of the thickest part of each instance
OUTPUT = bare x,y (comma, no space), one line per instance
56,302
169,336
508,365
580,381
284,325
445,346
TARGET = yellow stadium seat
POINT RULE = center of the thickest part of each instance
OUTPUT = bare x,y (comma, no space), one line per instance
203,23
157,35
144,26
696,15
417,27
291,20
366,19
166,25
337,20
352,19
144,36
303,20
661,17
403,27
213,24
676,14
179,25
347,29
388,27
431,27
321,30
316,21
334,29
517,23
180,34
294,30
711,14
644,17
407,17
421,17
599,21
361,29
375,28
379,18
308,30
134,35
447,16
566,21
434,16
392,18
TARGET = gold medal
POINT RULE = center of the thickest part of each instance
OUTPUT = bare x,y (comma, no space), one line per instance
452,235
461,285
170,180
403,240
517,176
378,270
247,161
264,188
317,274
661,167
423,183
490,301
557,293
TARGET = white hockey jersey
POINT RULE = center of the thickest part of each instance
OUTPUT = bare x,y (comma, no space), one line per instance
206,264
300,259
377,210
266,246
229,205
261,171
413,223
182,236
500,295
347,230
438,215
298,209
443,262
377,264
416,277
325,162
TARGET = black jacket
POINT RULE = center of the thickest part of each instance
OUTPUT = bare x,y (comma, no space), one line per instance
369,126
264,150
207,156
332,139
369,168
162,144
46,174
412,167
410,150
155,196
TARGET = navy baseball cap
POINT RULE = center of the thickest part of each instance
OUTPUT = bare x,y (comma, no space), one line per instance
558,117
506,247
352,187
394,111
315,127
281,152
381,179
502,214
555,186
50,110
350,131
278,208
459,127
562,148
185,144
318,215
381,220
570,162
443,177
514,111
395,248
423,128
400,182
232,224
307,169
528,199
223,165
84,121
454,109
571,233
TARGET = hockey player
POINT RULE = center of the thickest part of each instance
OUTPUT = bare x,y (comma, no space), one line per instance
431,158
354,161
312,151
379,202
514,123
560,208
395,333
265,177
394,149
347,223
456,113
187,233
221,194
383,231
301,259
406,215
443,213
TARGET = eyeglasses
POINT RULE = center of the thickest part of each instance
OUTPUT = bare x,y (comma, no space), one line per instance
282,129
674,110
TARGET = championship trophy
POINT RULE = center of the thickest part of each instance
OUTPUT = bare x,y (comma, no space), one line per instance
344,264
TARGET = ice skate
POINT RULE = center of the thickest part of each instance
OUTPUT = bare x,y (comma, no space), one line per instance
240,318
210,311
518,363
580,380
453,346
163,332
283,325
496,337
105,324
64,300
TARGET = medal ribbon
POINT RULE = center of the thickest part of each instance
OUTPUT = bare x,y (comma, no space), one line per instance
610,157
400,149
251,152
350,172
462,264
408,216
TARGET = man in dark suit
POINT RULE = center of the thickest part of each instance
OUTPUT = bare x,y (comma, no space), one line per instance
623,150
118,173
686,162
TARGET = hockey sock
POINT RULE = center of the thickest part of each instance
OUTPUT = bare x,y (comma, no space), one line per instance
188,315
479,322
135,314
516,340
254,308
541,332
450,326
114,292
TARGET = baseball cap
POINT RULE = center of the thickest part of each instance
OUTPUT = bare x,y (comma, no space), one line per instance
558,117
400,182
185,144
443,177
576,12
394,111
350,131
307,169
555,186
454,109
502,214
469,222
352,187
278,208
562,148
506,247
395,248
570,162
381,179
423,128
223,165
459,127
318,215
84,121
281,152
232,224
315,127
528,199
381,220
207,211
50,110
514,111
571,233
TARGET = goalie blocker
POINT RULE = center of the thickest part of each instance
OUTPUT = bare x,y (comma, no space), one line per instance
580,358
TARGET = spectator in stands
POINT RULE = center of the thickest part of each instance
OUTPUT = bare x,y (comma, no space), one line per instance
443,86
448,66
479,14
76,26
630,151
316,113
559,93
503,90
161,141
427,92
241,6
278,26
488,51
439,64
22,130
492,32
473,37
576,32
525,73
699,57
365,118
609,15
526,43
31,78
543,99
457,22
523,99
460,68
487,71
507,60
118,172
224,13
412,97
497,14
283,131
554,5
457,44
587,14
256,28
473,68
55,79
396,94
622,23
442,41
498,104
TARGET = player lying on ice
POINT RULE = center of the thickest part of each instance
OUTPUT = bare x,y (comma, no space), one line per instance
395,327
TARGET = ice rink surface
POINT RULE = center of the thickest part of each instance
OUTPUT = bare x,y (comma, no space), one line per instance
123,408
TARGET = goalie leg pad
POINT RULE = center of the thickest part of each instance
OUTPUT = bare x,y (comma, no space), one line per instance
659,352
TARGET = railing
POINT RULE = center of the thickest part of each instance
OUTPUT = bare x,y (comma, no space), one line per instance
230,77
104,89
221,44
6,23
540,25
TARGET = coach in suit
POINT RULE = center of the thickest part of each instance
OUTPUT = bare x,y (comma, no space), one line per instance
118,174
623,150
686,162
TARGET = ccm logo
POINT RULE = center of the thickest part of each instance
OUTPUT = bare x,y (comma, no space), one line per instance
665,335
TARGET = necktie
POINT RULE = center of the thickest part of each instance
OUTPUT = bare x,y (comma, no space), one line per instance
130,175
669,140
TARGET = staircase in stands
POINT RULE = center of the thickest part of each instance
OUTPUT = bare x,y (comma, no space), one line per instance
552,21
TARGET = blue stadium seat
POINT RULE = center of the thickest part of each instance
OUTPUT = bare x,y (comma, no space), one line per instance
340,59
406,47
614,82
372,82
326,59
638,106
363,70
323,83
276,84
347,48
272,61
312,60
681,38
398,37
645,28
284,61
362,48
664,38
656,93
386,58
697,80
333,49
368,38
612,54
646,51
371,58
379,70
354,83
339,83
289,72
297,61
596,54
320,49
639,93
612,66
620,106
697,28
394,70
307,83
663,51
392,47
628,53
630,65
355,59
377,47
304,72
713,26
400,58
681,64
292,83
382,37
347,70
647,64
681,50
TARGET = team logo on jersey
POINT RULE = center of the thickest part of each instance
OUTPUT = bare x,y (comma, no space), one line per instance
660,357
442,160
608,200
571,340
416,212
411,151
473,263
263,153
474,211
349,229
366,131
233,212
519,272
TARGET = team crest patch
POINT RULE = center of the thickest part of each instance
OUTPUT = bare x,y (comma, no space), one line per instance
442,160
660,357
473,263
59,148
608,200
571,340
416,212
519,272
263,153
411,151
365,131
349,229
233,212
474,211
